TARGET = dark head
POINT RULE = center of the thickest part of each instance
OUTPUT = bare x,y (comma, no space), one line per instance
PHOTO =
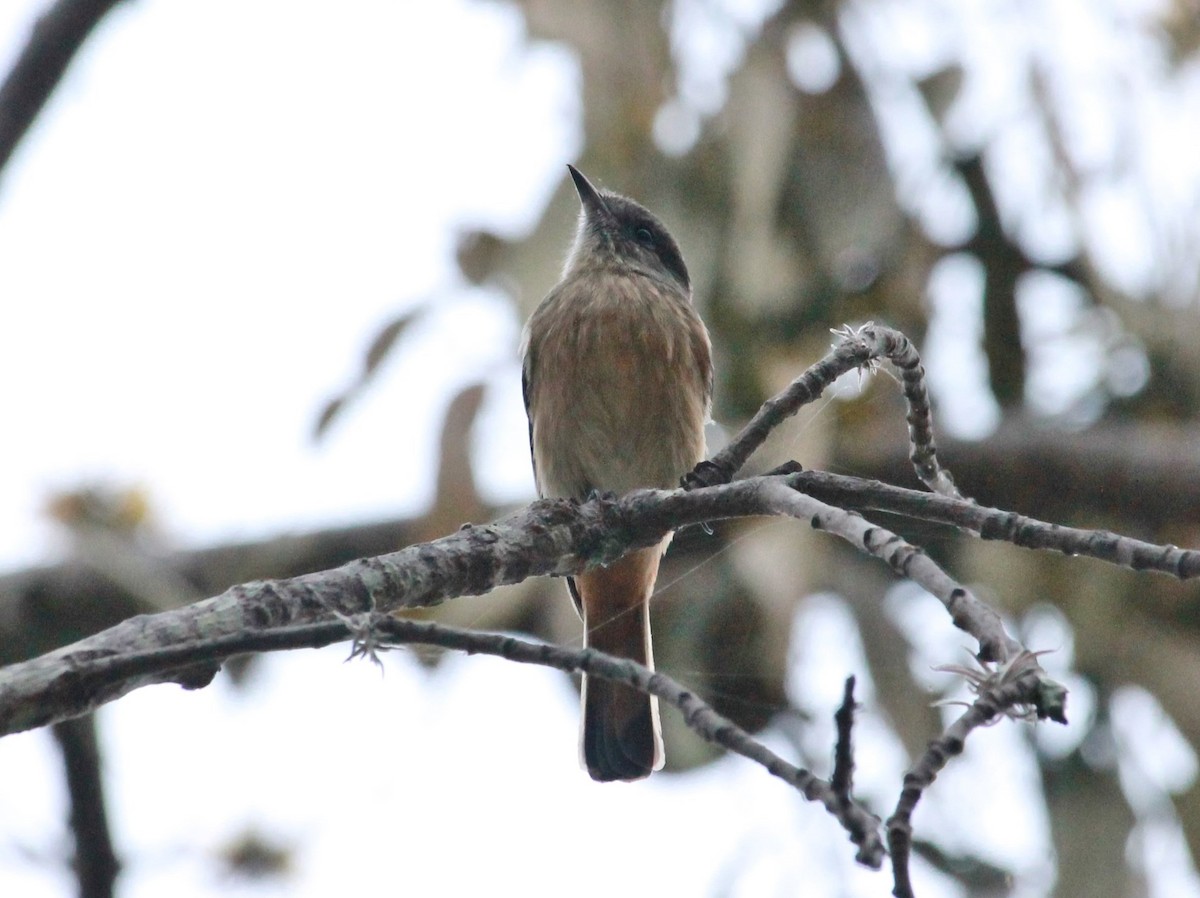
615,227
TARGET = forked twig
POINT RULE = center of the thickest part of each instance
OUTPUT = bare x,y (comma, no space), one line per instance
857,349
1010,690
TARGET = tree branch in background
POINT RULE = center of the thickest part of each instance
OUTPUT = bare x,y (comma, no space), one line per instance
1003,264
56,38
95,861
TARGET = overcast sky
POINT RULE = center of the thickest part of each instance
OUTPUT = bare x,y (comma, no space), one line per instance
211,220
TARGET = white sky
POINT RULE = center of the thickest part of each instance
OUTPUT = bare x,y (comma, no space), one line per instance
220,207
210,222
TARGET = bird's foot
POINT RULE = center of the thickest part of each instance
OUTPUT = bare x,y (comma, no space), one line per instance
706,473
788,467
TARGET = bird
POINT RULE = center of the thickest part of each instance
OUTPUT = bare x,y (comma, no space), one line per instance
617,378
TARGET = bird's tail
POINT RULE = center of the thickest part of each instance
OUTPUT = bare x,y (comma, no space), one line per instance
621,738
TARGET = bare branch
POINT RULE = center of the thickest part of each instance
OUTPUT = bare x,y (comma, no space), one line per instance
995,524
842,779
374,630
967,612
859,348
549,537
1018,684
95,861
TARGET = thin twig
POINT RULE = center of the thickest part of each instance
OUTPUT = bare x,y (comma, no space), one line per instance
858,348
860,824
1015,686
842,779
968,613
996,524
374,631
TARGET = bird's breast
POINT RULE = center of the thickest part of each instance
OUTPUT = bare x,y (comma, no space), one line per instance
620,386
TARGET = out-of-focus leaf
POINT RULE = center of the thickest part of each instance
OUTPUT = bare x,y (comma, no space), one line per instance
385,339
332,408
253,857
120,509
380,347
480,254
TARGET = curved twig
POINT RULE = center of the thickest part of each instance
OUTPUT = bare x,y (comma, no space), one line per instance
858,349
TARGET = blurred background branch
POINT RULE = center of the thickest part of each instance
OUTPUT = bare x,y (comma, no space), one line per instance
57,36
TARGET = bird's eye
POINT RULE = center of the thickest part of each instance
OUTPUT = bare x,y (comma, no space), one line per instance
644,236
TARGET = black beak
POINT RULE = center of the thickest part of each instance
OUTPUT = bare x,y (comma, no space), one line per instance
593,204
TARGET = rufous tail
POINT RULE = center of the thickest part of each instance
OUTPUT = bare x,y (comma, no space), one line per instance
621,738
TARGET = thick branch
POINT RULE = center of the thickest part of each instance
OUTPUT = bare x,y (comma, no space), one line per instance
550,537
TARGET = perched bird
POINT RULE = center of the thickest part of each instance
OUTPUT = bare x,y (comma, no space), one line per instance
617,375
